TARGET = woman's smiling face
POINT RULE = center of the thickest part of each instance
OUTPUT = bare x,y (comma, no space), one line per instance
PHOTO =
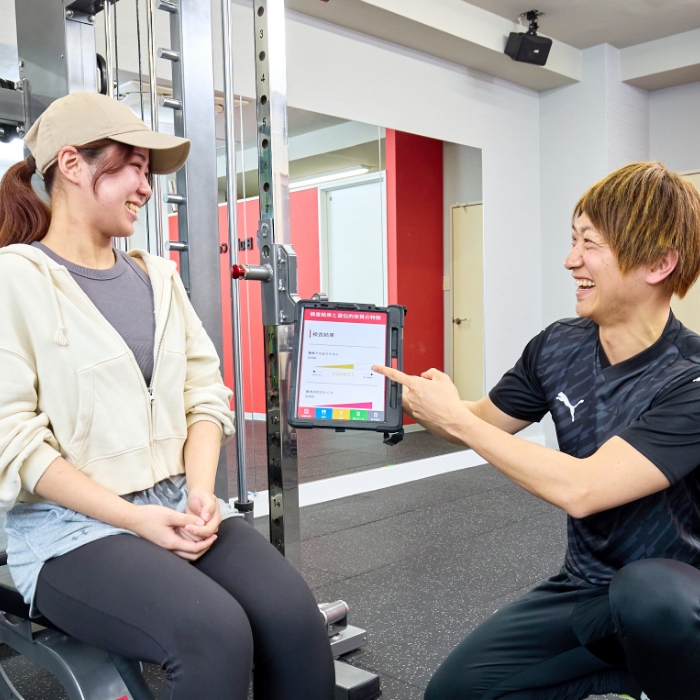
120,195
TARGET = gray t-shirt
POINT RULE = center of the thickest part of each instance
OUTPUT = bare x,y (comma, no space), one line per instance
124,296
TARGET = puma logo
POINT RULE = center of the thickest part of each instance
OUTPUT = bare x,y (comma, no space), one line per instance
696,380
561,396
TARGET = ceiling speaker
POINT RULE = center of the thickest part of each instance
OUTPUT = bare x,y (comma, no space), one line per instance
528,47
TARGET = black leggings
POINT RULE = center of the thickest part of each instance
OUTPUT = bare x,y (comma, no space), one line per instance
205,623
564,642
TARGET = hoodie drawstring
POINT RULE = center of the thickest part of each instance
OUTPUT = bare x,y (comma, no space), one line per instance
60,334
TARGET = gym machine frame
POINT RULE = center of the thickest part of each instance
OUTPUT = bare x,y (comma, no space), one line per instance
277,273
57,55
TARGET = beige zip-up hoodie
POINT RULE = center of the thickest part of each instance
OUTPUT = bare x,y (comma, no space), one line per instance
70,386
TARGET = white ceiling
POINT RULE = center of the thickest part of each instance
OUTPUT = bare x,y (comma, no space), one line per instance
586,23
659,40
452,30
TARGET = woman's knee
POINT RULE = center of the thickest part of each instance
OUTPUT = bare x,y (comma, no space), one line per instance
284,601
208,646
213,629
294,618
653,595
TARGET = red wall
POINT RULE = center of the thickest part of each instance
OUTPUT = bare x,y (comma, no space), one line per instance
415,244
305,238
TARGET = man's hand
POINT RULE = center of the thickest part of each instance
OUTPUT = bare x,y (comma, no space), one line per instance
166,527
432,400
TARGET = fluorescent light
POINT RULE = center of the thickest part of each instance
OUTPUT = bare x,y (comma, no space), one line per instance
328,177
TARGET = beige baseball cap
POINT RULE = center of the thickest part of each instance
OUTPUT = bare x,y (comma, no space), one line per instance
84,117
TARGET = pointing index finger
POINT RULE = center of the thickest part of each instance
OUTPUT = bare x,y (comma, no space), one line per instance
393,374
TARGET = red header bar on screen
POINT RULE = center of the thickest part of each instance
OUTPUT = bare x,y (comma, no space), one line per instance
343,316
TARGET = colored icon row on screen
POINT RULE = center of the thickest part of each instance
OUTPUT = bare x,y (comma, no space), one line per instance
340,414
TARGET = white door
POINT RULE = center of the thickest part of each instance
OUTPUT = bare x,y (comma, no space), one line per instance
468,300
353,244
687,310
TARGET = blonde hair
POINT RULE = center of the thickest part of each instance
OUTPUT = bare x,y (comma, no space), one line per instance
643,211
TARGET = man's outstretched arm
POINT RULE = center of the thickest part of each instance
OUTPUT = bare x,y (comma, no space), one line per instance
616,474
484,409
488,412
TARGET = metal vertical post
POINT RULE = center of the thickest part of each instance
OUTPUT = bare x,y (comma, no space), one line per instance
191,53
243,504
273,180
153,84
109,45
112,90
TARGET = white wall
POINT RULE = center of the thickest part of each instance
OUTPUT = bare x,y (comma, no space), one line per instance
587,130
627,134
674,121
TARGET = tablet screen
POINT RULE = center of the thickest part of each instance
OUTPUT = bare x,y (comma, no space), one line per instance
338,350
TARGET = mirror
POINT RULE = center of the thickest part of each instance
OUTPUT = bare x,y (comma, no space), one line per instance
375,216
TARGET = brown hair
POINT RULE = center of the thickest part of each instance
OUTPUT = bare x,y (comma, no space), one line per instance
24,216
643,211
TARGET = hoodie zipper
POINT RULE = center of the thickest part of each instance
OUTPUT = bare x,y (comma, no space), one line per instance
149,388
151,394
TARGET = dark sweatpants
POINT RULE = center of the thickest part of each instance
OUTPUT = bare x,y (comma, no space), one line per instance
205,623
565,642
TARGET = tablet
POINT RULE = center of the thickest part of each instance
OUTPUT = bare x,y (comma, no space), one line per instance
333,385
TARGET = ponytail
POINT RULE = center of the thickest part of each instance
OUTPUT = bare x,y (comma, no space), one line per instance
24,217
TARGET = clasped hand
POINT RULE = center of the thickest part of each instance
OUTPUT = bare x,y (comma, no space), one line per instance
188,534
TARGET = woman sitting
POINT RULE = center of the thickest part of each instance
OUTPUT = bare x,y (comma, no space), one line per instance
112,417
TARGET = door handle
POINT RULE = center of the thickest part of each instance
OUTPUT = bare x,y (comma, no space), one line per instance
458,321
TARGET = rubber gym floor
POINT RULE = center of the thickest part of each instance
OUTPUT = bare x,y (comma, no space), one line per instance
420,564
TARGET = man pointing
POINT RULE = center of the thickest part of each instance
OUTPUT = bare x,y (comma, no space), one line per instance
621,383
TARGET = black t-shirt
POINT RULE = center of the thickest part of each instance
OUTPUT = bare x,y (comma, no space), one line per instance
652,401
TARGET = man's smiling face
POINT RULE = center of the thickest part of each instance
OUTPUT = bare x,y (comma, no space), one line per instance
603,293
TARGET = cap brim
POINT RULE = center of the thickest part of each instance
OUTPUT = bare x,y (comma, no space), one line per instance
168,153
